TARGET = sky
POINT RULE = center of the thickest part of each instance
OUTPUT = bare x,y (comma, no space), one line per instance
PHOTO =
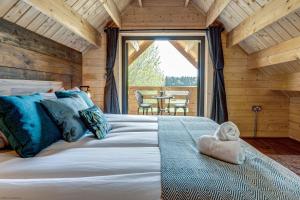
173,63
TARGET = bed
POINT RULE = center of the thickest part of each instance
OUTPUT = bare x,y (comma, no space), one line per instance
143,158
126,165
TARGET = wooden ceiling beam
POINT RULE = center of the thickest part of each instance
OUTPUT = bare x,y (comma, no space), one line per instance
135,44
282,53
60,12
113,11
186,3
215,10
143,47
6,5
266,16
187,55
140,3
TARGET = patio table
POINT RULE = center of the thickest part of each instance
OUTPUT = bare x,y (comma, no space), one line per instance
160,103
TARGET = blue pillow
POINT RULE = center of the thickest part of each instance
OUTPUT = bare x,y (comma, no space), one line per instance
96,122
30,129
71,93
65,113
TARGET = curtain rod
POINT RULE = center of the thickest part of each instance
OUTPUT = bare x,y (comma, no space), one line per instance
140,30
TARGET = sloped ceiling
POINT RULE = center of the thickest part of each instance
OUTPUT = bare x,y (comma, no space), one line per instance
17,11
284,29
203,4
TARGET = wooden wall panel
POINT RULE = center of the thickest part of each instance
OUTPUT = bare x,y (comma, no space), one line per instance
19,37
294,118
162,15
292,81
153,14
291,88
246,88
93,71
26,55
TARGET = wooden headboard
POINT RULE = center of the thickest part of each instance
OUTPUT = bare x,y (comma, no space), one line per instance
25,87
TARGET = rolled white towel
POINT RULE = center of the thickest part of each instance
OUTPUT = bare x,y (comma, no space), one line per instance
227,131
229,151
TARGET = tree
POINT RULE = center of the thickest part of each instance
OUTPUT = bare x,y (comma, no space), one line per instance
145,71
181,81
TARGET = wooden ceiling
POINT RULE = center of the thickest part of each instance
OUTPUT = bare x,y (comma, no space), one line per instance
260,27
26,14
268,30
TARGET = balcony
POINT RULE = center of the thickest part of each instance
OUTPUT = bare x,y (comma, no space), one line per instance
179,94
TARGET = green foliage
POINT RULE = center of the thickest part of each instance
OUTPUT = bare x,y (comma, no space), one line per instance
181,81
145,71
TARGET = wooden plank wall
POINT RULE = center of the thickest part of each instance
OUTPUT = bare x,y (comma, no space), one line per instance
94,60
294,118
93,71
26,55
245,88
167,14
291,87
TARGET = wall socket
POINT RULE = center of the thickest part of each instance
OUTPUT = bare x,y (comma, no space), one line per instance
256,108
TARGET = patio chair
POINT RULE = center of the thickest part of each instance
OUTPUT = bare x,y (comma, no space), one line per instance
184,105
140,101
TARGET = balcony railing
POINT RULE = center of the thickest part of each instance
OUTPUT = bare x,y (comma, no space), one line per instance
150,91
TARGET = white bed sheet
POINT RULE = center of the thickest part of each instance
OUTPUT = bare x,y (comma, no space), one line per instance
125,165
131,118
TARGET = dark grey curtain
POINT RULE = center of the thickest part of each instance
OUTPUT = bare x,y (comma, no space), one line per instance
219,111
111,101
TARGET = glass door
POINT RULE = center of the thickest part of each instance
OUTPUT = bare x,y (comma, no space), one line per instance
163,75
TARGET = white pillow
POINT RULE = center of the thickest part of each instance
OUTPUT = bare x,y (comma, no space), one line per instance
3,141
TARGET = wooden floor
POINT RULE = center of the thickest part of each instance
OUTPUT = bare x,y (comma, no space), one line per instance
284,150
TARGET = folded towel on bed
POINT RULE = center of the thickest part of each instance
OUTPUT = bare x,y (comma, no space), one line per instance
229,151
227,131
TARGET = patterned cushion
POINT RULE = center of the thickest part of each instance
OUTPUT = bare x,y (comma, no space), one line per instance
65,113
96,122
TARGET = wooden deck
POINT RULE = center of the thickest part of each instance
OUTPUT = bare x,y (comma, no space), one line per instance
150,91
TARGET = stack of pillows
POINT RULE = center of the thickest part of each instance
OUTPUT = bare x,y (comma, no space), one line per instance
28,124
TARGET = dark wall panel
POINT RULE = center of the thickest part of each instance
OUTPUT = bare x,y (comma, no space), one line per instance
27,55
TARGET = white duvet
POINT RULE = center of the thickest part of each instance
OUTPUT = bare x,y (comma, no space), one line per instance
125,165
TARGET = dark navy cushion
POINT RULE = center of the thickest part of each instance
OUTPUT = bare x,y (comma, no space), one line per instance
96,122
29,128
71,93
65,114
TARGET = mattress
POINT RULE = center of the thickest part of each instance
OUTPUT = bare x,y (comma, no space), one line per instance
125,165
